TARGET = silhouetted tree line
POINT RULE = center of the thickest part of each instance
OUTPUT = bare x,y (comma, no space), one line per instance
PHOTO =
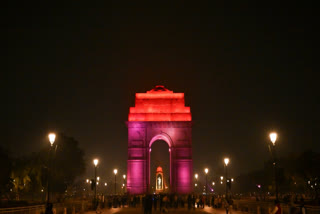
296,174
26,177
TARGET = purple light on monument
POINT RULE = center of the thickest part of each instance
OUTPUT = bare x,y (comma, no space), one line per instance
159,114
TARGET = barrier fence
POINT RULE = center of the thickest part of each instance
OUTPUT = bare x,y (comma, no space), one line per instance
58,208
266,207
80,207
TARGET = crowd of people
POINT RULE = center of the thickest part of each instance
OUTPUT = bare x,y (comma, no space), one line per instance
163,202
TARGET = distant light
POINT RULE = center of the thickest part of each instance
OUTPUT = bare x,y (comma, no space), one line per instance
196,185
196,176
87,180
124,176
98,178
221,182
105,184
221,178
97,182
273,137
206,170
232,179
52,137
213,183
115,171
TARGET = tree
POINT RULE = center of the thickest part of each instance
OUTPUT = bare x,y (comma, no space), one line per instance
26,175
5,166
65,164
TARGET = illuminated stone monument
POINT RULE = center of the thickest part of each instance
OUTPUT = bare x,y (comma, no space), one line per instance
159,114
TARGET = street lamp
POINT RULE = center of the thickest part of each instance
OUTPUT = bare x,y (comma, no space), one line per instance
196,176
124,181
226,162
115,171
206,170
273,138
52,138
95,163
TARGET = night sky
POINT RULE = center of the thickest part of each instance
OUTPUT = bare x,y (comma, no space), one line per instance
245,71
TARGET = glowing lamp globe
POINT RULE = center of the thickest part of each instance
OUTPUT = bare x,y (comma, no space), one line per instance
226,161
196,176
52,138
95,162
273,137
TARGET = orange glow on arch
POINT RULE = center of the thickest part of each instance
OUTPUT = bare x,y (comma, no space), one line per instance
159,104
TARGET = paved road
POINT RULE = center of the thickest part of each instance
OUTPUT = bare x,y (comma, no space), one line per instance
206,210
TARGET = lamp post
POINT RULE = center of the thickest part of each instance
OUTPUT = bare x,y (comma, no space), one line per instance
226,161
95,163
115,171
196,177
206,170
52,138
273,137
124,183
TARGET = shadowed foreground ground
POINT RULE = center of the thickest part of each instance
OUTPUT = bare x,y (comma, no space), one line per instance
171,211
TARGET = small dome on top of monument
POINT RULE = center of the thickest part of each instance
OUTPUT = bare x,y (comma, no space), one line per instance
159,169
159,88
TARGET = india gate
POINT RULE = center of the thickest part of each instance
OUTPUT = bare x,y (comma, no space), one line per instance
159,114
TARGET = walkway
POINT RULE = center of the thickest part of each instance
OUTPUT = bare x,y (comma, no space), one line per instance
206,210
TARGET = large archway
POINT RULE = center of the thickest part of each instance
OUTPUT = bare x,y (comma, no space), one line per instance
159,114
160,159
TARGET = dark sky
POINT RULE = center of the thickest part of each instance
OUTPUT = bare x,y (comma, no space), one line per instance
245,71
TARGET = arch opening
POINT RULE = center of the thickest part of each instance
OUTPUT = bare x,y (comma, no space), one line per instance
159,157
163,137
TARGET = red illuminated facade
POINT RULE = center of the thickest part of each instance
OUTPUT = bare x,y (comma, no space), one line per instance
159,104
159,114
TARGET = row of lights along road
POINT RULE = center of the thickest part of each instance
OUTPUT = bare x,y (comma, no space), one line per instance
273,137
